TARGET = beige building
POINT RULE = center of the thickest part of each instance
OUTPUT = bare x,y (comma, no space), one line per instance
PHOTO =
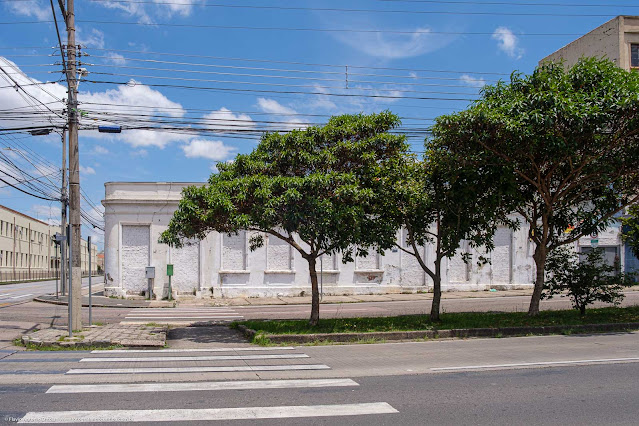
27,250
617,40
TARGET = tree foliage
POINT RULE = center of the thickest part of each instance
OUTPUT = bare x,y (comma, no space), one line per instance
568,139
313,188
586,280
631,229
441,202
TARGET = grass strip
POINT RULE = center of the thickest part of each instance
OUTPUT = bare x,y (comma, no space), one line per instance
448,321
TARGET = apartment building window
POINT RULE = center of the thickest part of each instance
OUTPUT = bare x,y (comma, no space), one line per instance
634,55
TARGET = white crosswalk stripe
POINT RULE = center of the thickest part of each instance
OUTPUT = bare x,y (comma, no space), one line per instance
182,315
202,386
208,414
178,358
196,358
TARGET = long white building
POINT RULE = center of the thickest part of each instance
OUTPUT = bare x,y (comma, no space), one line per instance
223,266
27,250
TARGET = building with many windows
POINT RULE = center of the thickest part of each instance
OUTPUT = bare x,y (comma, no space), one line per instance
27,250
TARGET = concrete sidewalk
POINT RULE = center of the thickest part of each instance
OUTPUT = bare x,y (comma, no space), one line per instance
102,301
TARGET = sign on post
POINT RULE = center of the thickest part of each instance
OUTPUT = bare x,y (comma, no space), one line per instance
169,270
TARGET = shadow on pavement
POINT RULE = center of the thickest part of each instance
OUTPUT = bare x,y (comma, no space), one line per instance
194,336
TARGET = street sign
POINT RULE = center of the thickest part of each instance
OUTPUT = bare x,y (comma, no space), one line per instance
169,270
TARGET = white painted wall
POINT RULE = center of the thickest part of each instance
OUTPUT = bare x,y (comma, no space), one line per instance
223,266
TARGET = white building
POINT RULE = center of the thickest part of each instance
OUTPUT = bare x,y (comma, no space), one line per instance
27,250
223,266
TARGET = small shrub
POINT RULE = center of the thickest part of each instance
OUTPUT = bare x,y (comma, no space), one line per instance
586,280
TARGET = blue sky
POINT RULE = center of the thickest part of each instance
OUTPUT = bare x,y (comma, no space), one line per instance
250,76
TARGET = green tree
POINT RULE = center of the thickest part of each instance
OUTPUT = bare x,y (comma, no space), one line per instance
569,140
442,201
631,229
586,280
313,188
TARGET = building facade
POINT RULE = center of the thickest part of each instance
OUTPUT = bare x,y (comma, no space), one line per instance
223,265
617,40
27,250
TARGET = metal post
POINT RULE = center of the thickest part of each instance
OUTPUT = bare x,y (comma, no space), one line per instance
170,290
56,275
70,299
321,277
89,245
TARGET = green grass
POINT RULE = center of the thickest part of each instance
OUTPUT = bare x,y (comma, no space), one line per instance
448,321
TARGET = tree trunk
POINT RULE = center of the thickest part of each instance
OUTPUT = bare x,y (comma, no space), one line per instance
437,291
541,252
582,309
315,305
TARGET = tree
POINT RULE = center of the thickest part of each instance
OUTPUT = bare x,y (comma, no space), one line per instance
569,140
313,188
631,229
443,201
586,280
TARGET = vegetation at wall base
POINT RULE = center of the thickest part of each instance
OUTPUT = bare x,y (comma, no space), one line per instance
447,321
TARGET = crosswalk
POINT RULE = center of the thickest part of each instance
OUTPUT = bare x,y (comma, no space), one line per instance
181,316
13,296
179,363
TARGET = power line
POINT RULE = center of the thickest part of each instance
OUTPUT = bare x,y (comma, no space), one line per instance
343,10
222,89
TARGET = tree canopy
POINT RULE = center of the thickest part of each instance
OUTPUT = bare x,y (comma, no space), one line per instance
441,202
313,188
568,139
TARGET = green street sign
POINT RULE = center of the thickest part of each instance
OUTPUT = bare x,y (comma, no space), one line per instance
169,270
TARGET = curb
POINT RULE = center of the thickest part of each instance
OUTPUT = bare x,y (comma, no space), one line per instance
97,305
438,334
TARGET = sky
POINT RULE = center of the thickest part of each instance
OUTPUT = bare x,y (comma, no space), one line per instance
193,82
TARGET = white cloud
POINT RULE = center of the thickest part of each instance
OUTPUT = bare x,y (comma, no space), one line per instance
145,12
87,170
94,38
508,42
140,153
47,213
115,58
224,119
212,150
135,10
100,150
396,46
132,95
473,81
286,115
40,11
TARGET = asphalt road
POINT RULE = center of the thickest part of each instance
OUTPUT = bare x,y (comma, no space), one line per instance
22,292
567,380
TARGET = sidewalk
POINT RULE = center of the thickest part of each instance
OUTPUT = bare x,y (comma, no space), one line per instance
108,302
102,301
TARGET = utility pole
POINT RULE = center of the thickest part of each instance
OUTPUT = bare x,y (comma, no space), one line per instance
63,218
75,290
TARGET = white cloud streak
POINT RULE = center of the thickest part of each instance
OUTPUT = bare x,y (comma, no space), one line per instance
473,81
508,42
212,150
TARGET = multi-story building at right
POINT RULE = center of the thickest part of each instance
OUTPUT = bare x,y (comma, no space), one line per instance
617,40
